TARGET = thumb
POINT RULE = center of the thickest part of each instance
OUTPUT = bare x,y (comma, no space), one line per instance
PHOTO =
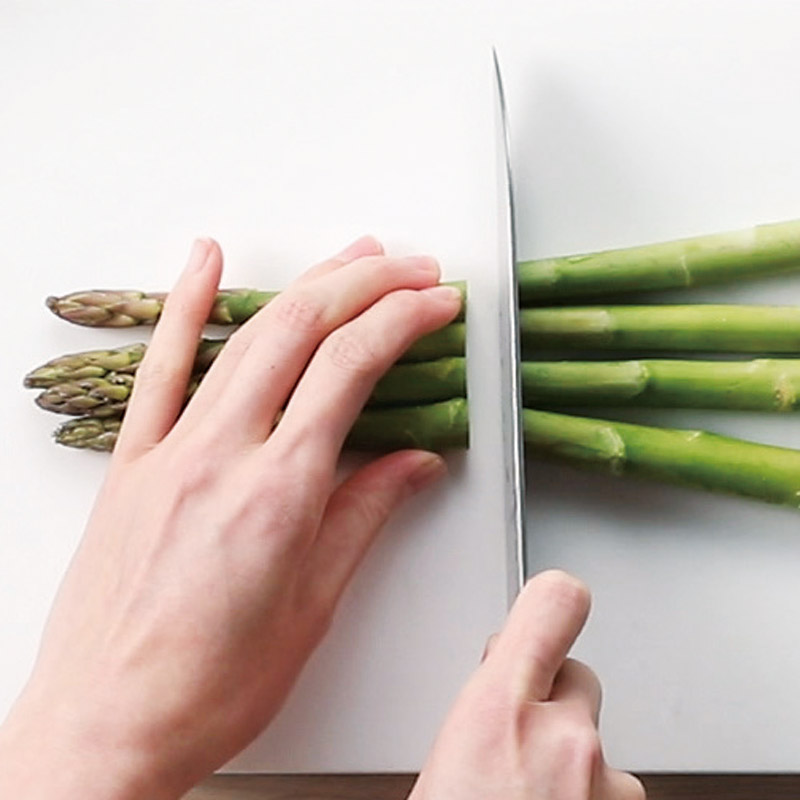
358,509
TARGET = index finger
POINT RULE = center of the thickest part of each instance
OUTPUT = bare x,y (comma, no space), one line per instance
544,622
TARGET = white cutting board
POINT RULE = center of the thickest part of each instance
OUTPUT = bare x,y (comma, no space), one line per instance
285,130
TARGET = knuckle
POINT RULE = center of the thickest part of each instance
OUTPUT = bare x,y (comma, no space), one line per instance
298,311
193,473
406,302
348,350
578,746
156,374
237,344
371,509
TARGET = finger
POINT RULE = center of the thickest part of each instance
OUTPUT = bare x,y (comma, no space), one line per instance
355,513
220,373
343,372
490,643
617,785
161,380
577,686
544,622
264,360
361,248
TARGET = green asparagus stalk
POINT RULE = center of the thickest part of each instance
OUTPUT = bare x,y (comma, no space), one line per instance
96,364
757,251
700,327
696,459
757,385
100,397
446,342
89,433
105,308
90,364
404,384
438,426
109,308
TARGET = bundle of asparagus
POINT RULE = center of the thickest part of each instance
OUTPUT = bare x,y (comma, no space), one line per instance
422,402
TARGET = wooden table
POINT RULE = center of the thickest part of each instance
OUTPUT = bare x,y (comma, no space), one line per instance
396,787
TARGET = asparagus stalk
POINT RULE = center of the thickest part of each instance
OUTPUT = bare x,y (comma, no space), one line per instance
757,251
404,384
438,426
756,385
109,308
90,364
97,364
101,397
696,459
446,342
89,433
700,327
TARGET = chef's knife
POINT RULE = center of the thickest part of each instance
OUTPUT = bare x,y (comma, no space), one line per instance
510,385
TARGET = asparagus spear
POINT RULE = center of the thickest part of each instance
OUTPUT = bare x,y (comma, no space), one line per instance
754,385
95,364
761,250
438,426
697,459
758,385
105,308
446,342
404,384
100,397
700,327
109,308
89,433
91,364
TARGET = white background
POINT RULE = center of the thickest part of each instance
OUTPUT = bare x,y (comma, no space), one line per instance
285,130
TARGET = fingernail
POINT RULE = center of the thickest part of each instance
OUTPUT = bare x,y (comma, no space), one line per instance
429,470
363,246
199,255
447,294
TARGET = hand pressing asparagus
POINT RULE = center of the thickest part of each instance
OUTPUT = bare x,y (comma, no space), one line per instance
96,385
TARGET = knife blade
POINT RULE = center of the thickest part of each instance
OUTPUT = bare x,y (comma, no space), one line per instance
510,382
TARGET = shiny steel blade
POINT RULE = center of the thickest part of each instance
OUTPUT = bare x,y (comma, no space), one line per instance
511,387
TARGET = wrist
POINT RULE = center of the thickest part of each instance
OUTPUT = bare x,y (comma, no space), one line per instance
48,752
